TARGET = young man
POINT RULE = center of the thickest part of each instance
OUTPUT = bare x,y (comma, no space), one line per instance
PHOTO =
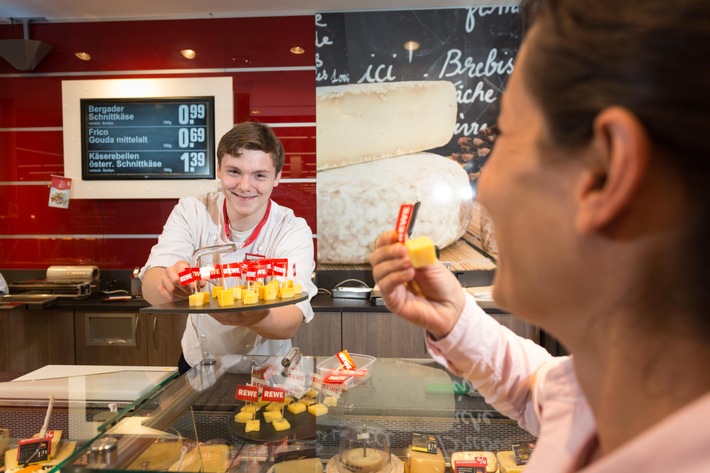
250,158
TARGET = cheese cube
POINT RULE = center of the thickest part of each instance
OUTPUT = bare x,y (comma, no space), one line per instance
421,251
206,296
330,401
250,297
249,408
506,463
270,292
311,393
422,462
225,298
275,406
252,426
243,416
271,416
296,407
196,300
286,292
281,424
216,290
297,289
307,401
237,292
289,283
318,409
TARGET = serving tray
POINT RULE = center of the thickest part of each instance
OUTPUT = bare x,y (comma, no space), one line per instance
183,306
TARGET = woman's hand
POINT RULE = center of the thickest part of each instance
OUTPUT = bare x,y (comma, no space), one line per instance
430,297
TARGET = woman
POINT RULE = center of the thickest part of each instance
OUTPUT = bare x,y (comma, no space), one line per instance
598,189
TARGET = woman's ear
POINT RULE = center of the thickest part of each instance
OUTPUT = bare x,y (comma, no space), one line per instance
620,149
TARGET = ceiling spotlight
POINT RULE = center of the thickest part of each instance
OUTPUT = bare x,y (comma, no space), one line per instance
297,50
84,56
188,53
411,45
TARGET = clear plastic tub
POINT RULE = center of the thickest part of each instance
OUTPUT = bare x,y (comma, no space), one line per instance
361,373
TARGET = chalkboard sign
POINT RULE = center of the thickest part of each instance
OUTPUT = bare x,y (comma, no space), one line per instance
473,48
148,138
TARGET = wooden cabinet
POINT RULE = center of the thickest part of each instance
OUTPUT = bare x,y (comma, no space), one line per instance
321,336
163,336
382,334
32,339
128,338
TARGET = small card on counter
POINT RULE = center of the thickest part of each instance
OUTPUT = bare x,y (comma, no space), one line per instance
424,442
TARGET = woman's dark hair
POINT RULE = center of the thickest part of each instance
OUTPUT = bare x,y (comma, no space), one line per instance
253,136
651,57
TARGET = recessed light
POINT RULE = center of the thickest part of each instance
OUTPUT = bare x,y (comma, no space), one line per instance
411,45
297,50
84,56
188,53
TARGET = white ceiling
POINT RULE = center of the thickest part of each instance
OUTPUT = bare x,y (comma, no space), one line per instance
104,10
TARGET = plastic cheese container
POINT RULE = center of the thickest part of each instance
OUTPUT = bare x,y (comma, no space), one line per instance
362,371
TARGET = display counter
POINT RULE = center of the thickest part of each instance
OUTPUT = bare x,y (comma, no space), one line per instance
75,404
188,424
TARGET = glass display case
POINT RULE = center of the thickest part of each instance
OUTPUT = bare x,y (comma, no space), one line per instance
72,406
197,422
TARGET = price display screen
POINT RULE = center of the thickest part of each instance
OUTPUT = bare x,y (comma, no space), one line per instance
148,138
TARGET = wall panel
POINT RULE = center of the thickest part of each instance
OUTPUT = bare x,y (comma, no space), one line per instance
270,85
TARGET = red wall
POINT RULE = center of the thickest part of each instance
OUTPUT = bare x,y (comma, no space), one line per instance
270,85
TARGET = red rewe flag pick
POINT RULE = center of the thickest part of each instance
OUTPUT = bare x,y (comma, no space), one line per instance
405,214
273,395
247,393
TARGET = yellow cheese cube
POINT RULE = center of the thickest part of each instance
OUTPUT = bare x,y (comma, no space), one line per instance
261,403
196,300
506,463
275,406
237,292
270,292
206,296
286,292
271,416
422,462
225,298
281,424
318,409
296,407
288,283
250,408
250,297
216,290
421,251
311,393
297,289
243,416
252,426
330,401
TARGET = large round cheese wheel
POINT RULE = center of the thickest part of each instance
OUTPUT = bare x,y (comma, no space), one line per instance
357,203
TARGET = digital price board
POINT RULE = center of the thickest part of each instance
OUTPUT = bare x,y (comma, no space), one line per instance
147,138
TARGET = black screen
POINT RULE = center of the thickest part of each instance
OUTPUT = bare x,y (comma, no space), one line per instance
148,138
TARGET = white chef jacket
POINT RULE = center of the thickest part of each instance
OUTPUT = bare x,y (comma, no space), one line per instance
198,222
524,382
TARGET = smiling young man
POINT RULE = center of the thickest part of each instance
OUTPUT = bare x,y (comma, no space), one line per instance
250,158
